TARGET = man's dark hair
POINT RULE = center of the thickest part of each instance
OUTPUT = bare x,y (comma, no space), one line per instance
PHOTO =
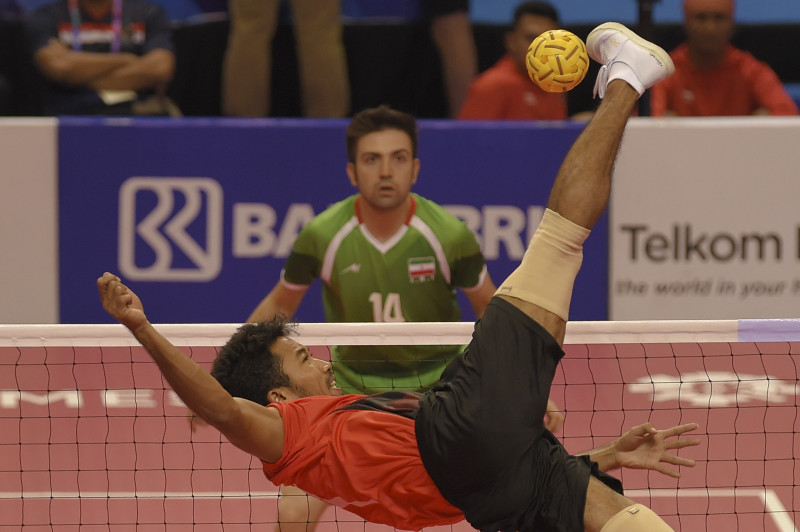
246,367
541,9
379,119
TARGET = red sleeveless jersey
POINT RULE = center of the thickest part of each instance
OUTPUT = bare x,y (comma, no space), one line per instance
345,451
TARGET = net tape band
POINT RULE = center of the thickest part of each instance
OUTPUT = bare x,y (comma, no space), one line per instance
430,333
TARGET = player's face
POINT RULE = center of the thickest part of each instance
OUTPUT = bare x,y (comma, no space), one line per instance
308,375
708,32
526,30
384,169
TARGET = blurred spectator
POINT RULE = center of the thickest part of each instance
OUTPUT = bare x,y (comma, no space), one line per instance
248,59
713,78
451,31
103,57
504,91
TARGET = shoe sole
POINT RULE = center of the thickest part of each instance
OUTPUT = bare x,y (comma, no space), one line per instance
656,51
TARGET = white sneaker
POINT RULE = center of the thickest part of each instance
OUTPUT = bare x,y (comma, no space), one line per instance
626,56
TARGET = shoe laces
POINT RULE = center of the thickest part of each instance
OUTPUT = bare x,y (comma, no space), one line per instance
601,82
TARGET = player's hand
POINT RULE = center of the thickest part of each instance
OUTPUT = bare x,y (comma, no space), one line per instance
644,447
120,302
553,419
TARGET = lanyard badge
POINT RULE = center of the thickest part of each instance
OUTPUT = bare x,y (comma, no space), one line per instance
116,25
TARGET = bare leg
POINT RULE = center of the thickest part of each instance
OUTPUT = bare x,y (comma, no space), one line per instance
581,189
542,285
543,282
452,35
248,58
321,54
602,503
608,511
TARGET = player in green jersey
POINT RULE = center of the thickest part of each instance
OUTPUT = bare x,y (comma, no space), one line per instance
384,254
409,277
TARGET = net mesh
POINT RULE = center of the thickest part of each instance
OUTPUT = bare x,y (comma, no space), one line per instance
91,438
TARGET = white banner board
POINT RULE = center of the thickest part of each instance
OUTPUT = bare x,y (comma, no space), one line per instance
705,220
28,220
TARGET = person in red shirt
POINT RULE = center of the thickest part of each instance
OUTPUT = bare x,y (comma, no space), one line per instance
712,77
504,91
475,445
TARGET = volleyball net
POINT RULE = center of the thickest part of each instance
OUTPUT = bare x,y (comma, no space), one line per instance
92,439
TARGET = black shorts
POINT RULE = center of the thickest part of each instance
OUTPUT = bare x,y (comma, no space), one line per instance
481,431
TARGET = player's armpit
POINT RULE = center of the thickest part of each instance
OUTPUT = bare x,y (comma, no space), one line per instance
256,429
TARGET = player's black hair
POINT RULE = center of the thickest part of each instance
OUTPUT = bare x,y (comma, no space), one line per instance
379,119
541,9
246,367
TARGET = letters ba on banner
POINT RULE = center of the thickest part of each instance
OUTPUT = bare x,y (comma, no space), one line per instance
700,227
203,224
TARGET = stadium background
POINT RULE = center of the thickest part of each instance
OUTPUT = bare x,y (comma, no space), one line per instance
390,55
492,11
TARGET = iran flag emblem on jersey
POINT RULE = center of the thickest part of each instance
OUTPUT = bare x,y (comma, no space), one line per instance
421,269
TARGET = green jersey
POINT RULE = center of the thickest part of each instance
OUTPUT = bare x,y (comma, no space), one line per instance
410,277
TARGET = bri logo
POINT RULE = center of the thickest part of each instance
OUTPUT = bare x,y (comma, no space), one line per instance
170,229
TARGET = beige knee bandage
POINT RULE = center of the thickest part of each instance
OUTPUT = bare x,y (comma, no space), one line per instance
636,518
547,272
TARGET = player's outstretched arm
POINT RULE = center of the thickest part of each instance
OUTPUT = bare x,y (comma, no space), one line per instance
249,426
644,447
280,300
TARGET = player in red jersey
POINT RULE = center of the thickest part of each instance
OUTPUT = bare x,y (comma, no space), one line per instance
475,445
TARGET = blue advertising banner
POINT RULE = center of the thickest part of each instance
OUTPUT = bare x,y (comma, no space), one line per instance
199,215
